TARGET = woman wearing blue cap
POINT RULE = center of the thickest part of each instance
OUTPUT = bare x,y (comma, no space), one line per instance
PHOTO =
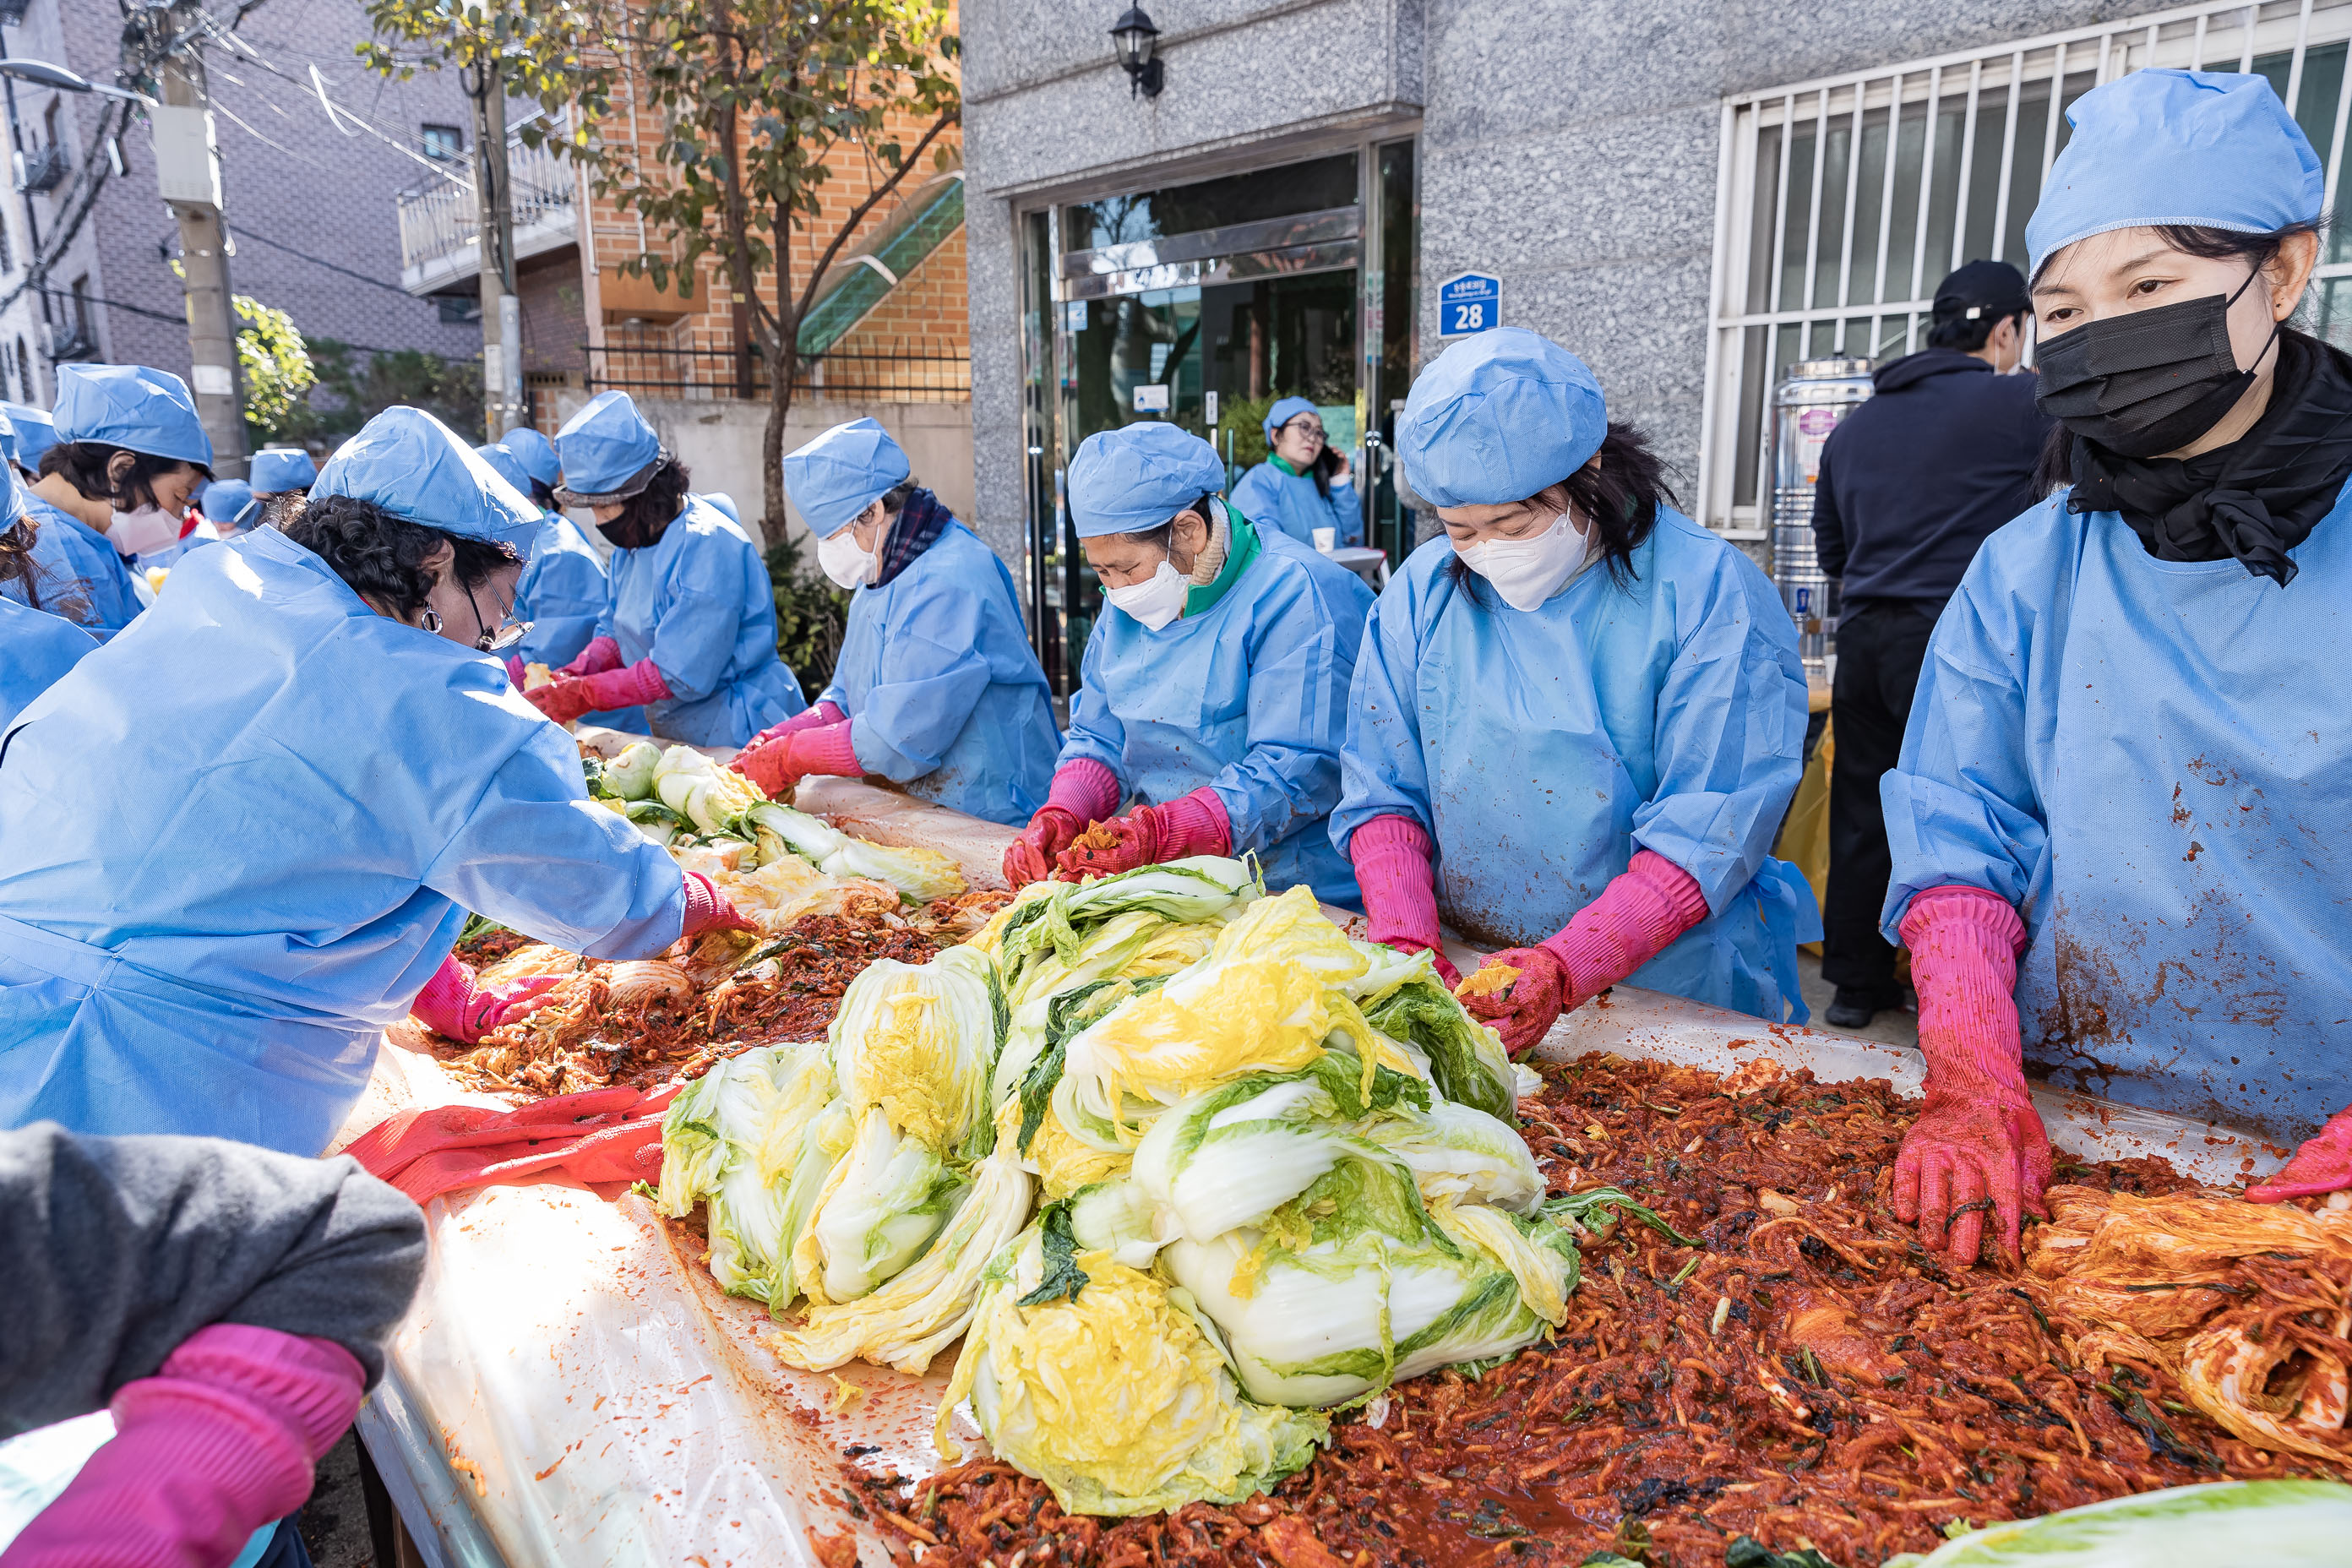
1304,483
1212,686
2119,821
36,431
689,632
290,779
230,506
936,688
562,591
128,454
35,646
1577,718
277,471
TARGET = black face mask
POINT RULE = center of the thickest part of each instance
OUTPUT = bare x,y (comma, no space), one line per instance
2150,382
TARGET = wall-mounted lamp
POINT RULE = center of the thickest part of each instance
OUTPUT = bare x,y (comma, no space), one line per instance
1134,37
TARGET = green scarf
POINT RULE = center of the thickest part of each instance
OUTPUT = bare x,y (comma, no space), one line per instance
1283,465
1241,549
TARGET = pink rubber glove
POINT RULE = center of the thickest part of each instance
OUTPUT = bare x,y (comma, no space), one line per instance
1637,916
215,1446
633,687
516,671
1523,1011
1979,1141
2324,1164
454,1003
1084,793
806,719
1391,855
1193,824
706,908
601,655
776,765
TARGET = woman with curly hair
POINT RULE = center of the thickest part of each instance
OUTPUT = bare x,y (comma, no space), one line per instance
289,781
688,634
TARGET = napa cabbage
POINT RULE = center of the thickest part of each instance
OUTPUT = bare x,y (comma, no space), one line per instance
1097,1382
921,1042
2281,1524
921,1308
630,775
707,796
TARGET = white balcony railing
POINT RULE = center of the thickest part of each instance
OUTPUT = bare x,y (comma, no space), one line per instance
440,224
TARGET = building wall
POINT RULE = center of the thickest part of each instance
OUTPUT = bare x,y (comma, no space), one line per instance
718,441
555,324
23,320
310,207
1570,149
702,317
911,346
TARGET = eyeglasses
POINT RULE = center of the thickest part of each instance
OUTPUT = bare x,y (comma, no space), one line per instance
1312,431
505,635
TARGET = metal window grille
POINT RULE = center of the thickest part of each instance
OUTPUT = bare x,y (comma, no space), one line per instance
1840,203
651,362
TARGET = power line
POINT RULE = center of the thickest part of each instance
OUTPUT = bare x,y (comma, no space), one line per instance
116,305
241,232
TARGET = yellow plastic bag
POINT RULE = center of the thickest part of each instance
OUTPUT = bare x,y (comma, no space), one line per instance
1805,835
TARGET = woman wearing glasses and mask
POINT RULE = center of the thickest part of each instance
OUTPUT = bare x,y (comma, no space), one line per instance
2118,825
241,837
1577,718
1214,684
1304,483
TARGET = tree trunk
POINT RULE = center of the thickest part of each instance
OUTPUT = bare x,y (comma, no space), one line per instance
783,368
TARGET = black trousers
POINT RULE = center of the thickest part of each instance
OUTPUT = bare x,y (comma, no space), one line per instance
1881,644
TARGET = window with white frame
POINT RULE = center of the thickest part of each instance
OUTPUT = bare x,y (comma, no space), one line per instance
1842,202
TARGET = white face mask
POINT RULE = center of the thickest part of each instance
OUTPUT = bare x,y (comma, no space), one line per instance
846,561
1527,571
1157,600
137,532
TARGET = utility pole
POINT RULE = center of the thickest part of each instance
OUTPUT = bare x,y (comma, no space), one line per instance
191,185
501,308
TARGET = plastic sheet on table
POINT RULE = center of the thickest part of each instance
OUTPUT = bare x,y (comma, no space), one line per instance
596,1400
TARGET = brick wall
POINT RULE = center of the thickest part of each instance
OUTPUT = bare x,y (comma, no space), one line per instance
927,310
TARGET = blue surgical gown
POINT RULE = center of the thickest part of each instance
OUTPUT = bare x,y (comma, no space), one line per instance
243,835
947,695
1541,747
698,602
2150,760
36,648
1248,698
561,593
81,578
1290,503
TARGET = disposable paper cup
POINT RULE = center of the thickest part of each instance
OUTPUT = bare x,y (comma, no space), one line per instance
1327,540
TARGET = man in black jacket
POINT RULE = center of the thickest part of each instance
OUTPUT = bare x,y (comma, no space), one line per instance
1911,483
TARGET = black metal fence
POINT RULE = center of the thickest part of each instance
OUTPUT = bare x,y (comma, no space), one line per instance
904,372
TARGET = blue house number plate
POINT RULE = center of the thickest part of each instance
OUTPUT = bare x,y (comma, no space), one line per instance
1469,302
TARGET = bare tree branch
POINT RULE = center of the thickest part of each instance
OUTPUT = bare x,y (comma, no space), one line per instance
858,215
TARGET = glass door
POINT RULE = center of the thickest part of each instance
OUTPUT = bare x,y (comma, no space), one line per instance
1202,305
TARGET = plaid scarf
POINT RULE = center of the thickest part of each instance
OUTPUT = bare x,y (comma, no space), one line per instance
920,520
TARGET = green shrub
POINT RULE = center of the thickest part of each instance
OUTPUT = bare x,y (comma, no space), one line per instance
1247,417
810,614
